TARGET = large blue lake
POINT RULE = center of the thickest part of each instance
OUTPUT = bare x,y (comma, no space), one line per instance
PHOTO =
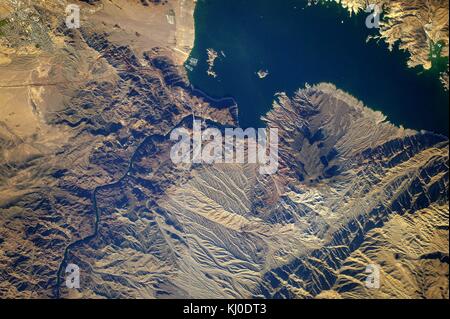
301,44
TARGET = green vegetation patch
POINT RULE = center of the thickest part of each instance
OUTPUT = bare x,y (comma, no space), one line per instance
2,24
438,61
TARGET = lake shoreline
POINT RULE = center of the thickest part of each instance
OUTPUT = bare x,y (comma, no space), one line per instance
237,67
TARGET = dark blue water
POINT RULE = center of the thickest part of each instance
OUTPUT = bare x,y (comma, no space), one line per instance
300,44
